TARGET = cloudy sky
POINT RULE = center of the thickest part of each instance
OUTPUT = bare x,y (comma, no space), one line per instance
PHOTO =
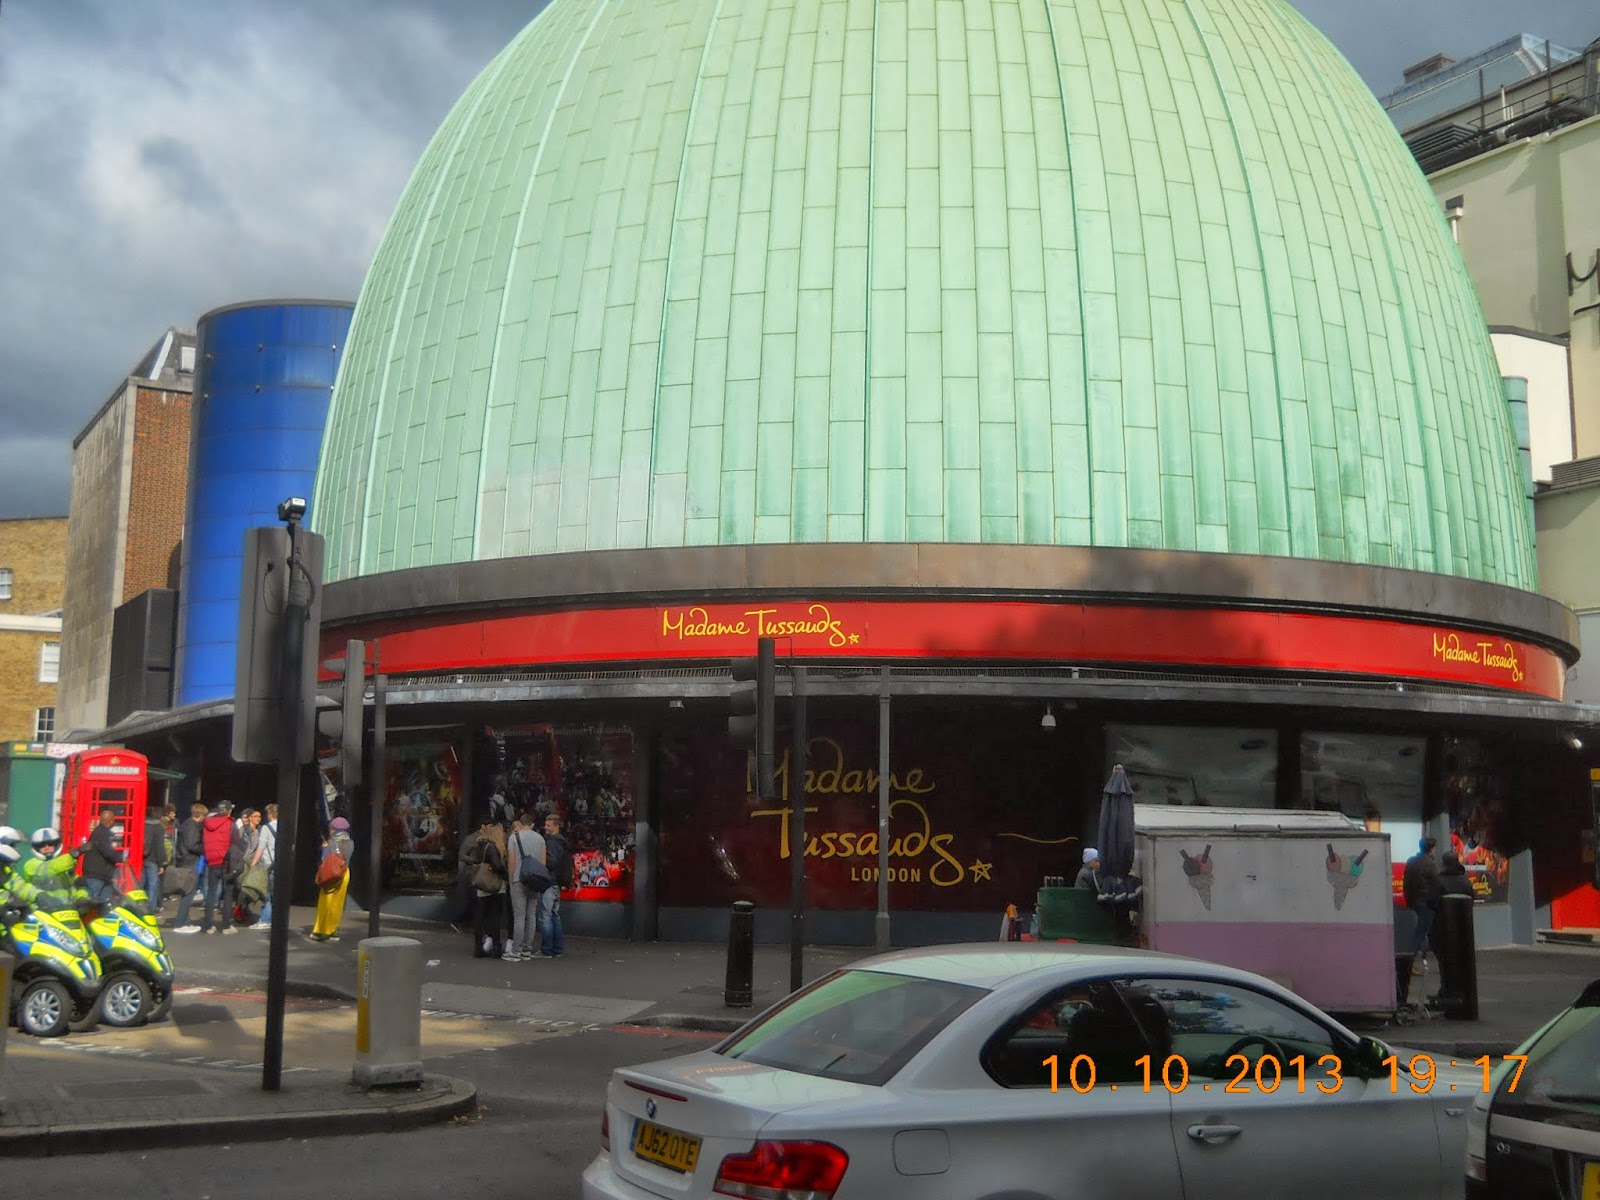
161,157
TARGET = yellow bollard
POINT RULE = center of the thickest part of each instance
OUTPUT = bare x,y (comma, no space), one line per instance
388,1012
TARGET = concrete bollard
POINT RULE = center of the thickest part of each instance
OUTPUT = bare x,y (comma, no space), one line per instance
8,966
388,1012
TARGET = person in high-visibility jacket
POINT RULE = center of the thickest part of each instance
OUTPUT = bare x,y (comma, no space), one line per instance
50,871
15,890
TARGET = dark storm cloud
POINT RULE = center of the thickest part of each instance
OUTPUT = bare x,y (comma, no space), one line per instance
159,159
172,158
180,167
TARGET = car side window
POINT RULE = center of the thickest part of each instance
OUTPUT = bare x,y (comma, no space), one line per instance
1223,1031
1087,1020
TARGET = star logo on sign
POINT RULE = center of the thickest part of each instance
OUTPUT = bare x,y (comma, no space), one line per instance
980,870
855,639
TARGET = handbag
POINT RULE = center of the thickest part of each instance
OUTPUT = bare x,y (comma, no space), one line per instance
331,870
254,881
179,881
485,879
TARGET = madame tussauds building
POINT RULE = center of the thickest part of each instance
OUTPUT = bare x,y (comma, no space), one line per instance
1105,371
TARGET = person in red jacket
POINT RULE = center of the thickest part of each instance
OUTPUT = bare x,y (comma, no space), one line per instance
216,833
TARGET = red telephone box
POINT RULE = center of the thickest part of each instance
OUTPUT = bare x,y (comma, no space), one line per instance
106,778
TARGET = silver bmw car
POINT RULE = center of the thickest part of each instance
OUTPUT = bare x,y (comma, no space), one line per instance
1030,1072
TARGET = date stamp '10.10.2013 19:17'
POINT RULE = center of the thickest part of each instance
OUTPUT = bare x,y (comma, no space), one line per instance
1267,1074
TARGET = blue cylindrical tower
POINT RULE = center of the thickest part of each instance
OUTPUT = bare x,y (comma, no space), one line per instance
263,376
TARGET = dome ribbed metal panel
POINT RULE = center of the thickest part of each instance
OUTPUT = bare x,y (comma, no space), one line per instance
1151,273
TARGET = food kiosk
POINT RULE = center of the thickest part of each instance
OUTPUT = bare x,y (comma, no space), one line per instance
1300,897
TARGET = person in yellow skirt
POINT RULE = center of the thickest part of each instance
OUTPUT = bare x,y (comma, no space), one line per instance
330,896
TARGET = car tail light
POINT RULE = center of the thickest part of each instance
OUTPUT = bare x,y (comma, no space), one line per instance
1477,1144
783,1171
605,1130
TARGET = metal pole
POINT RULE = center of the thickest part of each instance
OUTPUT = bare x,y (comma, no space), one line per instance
797,832
295,614
377,784
880,937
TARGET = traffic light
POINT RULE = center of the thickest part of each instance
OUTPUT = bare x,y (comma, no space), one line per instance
753,711
265,594
350,719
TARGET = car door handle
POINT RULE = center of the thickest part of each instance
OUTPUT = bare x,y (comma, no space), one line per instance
1214,1135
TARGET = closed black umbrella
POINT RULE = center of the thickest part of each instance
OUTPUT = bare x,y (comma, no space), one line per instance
1115,835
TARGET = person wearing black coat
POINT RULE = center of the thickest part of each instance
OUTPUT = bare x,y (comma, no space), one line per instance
101,857
1453,881
488,907
1420,885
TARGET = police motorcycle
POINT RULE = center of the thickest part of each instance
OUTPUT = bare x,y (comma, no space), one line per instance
123,933
56,984
133,956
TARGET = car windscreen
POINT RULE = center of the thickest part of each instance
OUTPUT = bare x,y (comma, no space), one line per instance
860,1026
1563,1067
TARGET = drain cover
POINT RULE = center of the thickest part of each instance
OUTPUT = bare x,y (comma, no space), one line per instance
138,1088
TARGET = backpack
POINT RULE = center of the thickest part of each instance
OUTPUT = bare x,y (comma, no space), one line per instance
558,859
238,852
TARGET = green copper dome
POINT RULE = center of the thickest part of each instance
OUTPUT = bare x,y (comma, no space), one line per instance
1090,272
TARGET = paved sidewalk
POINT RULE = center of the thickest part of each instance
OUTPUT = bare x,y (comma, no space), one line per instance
599,980
54,1101
680,984
1519,989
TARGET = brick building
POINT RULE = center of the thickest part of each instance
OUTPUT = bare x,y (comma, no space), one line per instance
33,562
130,467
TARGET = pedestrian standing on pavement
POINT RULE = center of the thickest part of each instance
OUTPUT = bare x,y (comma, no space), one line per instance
330,896
156,856
488,889
1452,881
240,852
558,861
527,876
216,832
188,860
464,900
101,857
267,856
1420,886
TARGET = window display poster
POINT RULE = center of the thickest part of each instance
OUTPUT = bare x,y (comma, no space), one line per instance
1227,768
1374,779
979,814
585,775
422,815
1475,793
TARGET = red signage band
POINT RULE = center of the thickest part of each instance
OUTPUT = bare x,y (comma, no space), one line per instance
973,629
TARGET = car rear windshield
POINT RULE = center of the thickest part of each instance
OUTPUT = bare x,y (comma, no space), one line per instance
861,1026
1563,1066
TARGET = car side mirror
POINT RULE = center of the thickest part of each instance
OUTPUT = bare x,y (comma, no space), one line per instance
1369,1056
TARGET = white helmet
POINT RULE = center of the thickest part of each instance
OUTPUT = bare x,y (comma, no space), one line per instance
44,836
10,835
8,854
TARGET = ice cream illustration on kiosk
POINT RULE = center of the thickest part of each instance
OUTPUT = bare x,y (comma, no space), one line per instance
1199,872
1344,873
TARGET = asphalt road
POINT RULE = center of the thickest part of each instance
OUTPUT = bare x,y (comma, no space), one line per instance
540,1094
